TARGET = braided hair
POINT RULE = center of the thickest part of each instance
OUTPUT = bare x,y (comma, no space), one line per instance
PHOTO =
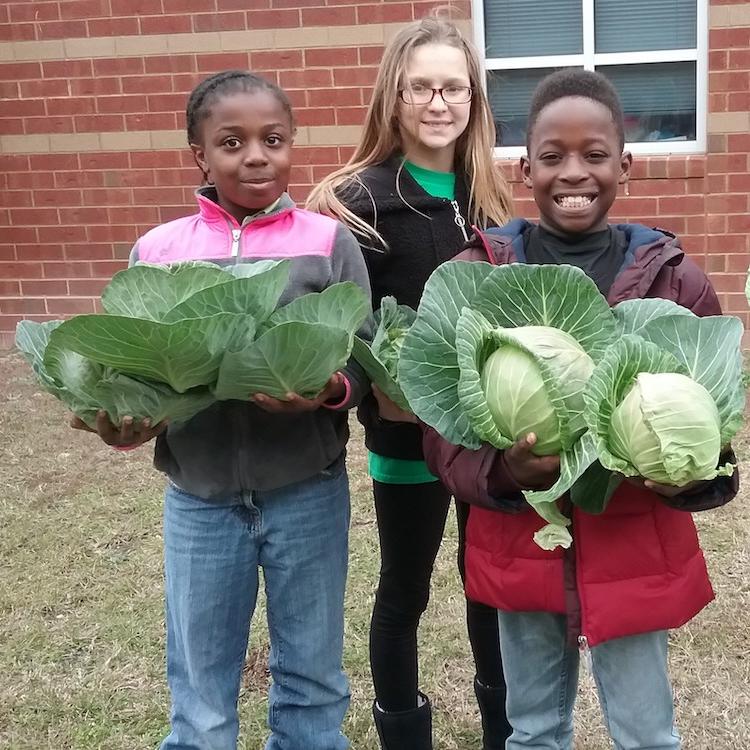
220,84
575,82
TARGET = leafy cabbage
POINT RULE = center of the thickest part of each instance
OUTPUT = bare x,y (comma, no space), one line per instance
174,339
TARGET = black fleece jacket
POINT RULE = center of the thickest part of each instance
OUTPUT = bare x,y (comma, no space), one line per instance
420,233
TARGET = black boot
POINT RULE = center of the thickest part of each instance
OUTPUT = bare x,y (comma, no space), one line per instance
405,730
495,726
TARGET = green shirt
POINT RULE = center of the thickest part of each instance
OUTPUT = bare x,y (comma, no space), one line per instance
398,470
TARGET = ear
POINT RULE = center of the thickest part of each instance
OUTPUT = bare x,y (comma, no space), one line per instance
525,165
199,155
626,162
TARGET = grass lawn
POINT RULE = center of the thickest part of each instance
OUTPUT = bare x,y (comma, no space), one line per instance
81,614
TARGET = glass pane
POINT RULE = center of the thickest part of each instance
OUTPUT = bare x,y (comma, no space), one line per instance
639,25
658,100
522,28
509,92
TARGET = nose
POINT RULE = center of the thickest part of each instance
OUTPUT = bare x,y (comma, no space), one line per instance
437,104
574,169
254,154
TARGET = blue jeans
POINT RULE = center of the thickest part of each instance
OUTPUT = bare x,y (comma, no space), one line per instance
542,676
298,534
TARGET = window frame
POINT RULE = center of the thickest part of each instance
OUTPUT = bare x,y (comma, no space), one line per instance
589,59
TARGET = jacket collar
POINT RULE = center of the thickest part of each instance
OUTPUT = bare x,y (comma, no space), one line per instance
211,212
648,251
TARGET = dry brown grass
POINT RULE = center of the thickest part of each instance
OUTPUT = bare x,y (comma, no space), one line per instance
81,625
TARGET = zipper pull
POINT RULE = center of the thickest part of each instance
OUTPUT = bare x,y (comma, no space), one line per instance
585,653
459,220
236,242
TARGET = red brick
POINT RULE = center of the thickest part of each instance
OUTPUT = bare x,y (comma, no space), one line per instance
166,24
222,5
18,198
718,60
738,182
48,125
18,32
118,66
156,159
331,16
70,233
730,243
95,86
729,203
146,84
70,306
170,64
22,306
685,205
106,269
61,29
311,78
105,160
166,103
354,76
316,155
124,104
385,13
728,282
12,126
20,234
112,233
133,215
275,60
219,21
87,287
370,55
43,89
36,216
330,57
113,26
70,105
315,117
135,8
79,179
45,251
735,222
20,271
99,123
272,19
20,70
8,252
8,90
29,180
14,163
715,263
738,263
57,198
84,9
184,82
350,115
66,270
211,63
728,38
10,288
36,12
188,6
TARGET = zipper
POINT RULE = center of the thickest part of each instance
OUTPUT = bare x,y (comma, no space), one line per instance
459,220
236,242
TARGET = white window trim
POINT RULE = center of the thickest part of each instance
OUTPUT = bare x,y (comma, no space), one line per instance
589,60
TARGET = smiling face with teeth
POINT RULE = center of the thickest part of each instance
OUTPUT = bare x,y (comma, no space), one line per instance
574,165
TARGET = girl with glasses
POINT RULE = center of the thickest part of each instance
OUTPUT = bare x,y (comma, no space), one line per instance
421,176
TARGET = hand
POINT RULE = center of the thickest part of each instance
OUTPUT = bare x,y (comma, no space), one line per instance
665,490
130,434
389,410
528,470
333,390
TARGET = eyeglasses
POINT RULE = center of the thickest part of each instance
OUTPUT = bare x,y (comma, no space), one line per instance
419,94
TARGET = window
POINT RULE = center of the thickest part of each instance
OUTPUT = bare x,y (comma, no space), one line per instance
654,51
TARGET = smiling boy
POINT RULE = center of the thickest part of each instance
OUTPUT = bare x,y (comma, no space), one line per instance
636,570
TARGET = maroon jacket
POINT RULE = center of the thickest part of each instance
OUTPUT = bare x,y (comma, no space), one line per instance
635,568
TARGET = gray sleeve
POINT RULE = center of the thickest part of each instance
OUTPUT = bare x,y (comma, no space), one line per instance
133,257
347,264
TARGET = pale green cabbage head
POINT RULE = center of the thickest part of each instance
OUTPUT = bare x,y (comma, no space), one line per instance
668,427
534,382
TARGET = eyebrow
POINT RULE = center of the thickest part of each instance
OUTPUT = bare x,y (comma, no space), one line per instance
448,82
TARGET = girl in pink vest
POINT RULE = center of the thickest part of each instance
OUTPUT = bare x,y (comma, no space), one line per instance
261,482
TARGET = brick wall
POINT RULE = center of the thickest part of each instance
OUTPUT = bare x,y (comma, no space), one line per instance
92,144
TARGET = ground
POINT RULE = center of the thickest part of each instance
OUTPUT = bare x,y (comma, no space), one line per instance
81,613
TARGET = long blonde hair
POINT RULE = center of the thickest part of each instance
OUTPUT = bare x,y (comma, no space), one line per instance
489,194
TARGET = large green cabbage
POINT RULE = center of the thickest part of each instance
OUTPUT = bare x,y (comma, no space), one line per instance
534,382
173,339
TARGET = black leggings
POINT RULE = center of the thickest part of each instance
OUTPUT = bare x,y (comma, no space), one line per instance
411,521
